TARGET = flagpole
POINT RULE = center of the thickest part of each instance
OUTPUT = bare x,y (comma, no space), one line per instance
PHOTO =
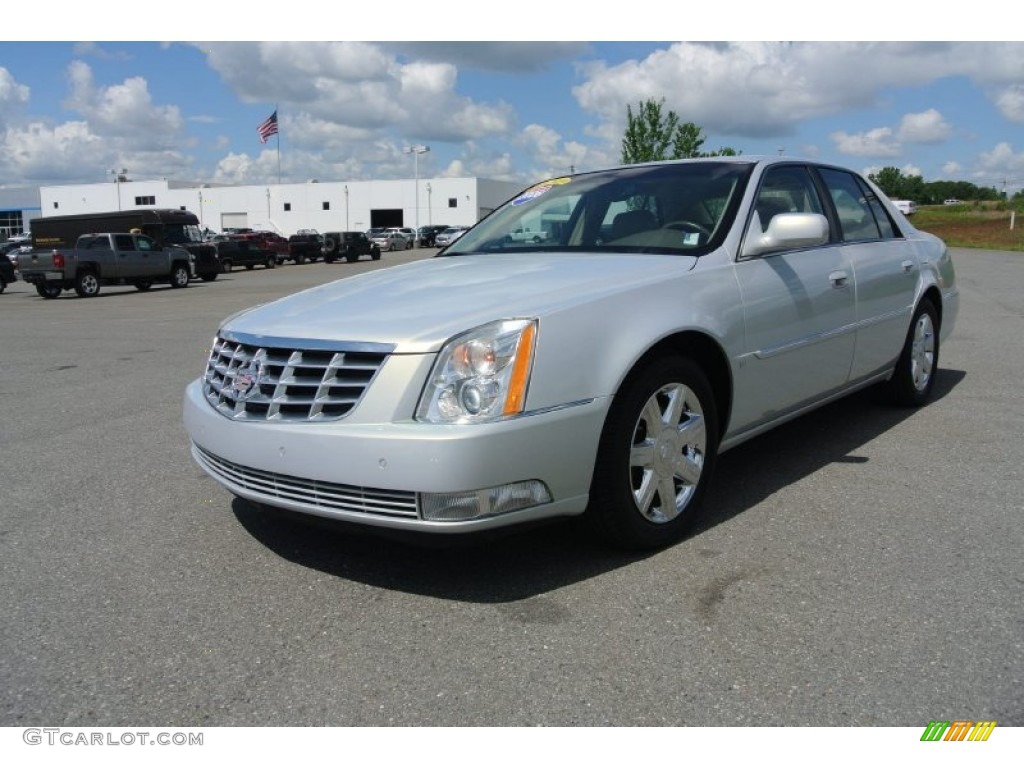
278,147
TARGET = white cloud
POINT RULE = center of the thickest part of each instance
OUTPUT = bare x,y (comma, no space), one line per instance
928,127
13,95
1010,103
758,90
125,111
952,169
1000,162
878,142
356,86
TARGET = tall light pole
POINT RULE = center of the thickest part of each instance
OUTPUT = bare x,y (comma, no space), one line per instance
416,150
430,206
118,175
346,208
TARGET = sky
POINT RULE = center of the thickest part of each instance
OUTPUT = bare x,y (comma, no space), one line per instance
71,110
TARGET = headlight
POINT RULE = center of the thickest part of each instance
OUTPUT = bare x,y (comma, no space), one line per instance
481,375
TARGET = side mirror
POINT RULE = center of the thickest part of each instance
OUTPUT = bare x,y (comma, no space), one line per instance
786,231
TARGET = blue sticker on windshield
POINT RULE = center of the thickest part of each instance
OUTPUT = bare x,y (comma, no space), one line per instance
534,192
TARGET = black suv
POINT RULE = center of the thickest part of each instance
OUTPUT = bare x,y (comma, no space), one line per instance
6,272
236,252
349,246
304,246
429,233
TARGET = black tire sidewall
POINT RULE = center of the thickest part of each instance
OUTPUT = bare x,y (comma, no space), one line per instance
612,511
80,285
901,386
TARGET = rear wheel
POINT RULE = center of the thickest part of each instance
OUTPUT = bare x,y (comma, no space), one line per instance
226,265
208,277
375,253
656,456
87,285
48,290
270,263
914,378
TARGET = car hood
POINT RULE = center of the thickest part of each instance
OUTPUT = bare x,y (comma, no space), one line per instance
417,307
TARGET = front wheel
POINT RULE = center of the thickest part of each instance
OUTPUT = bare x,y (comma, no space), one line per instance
48,290
656,456
375,253
179,276
87,285
914,378
271,262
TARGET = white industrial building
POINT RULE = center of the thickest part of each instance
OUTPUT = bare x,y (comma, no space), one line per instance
287,208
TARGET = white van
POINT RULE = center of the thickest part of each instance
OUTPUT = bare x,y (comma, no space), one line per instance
906,207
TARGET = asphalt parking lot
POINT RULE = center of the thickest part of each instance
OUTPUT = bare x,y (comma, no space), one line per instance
860,566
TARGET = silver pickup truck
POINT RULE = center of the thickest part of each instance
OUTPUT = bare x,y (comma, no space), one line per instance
105,259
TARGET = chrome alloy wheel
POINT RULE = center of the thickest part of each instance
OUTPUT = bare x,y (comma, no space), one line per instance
667,454
922,352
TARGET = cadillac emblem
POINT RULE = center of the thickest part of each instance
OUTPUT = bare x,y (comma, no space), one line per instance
247,380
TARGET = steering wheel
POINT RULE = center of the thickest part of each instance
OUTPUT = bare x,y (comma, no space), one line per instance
683,225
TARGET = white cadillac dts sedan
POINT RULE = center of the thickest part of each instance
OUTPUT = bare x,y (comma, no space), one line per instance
666,312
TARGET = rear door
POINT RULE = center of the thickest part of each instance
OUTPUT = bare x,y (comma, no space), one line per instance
886,271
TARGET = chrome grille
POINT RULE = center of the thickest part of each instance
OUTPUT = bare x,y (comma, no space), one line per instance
287,380
316,493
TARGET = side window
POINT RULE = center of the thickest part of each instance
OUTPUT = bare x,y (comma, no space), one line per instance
145,244
861,215
96,243
786,189
124,242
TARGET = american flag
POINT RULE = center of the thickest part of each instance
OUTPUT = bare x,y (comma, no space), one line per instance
267,128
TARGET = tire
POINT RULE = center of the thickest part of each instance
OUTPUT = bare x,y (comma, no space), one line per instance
914,378
49,290
249,266
270,263
179,276
143,285
87,284
3,285
635,468
226,265
351,255
300,259
208,277
375,253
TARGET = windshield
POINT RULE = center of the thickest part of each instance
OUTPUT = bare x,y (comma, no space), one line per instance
182,233
669,208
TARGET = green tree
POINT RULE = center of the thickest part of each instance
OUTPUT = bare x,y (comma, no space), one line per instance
652,134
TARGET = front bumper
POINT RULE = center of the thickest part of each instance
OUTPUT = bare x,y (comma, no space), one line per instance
374,473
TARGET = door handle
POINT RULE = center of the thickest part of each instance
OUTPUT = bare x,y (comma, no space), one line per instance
908,266
838,279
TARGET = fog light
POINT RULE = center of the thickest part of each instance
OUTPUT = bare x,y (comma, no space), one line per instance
487,502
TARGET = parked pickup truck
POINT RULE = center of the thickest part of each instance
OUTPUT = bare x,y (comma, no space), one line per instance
105,259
